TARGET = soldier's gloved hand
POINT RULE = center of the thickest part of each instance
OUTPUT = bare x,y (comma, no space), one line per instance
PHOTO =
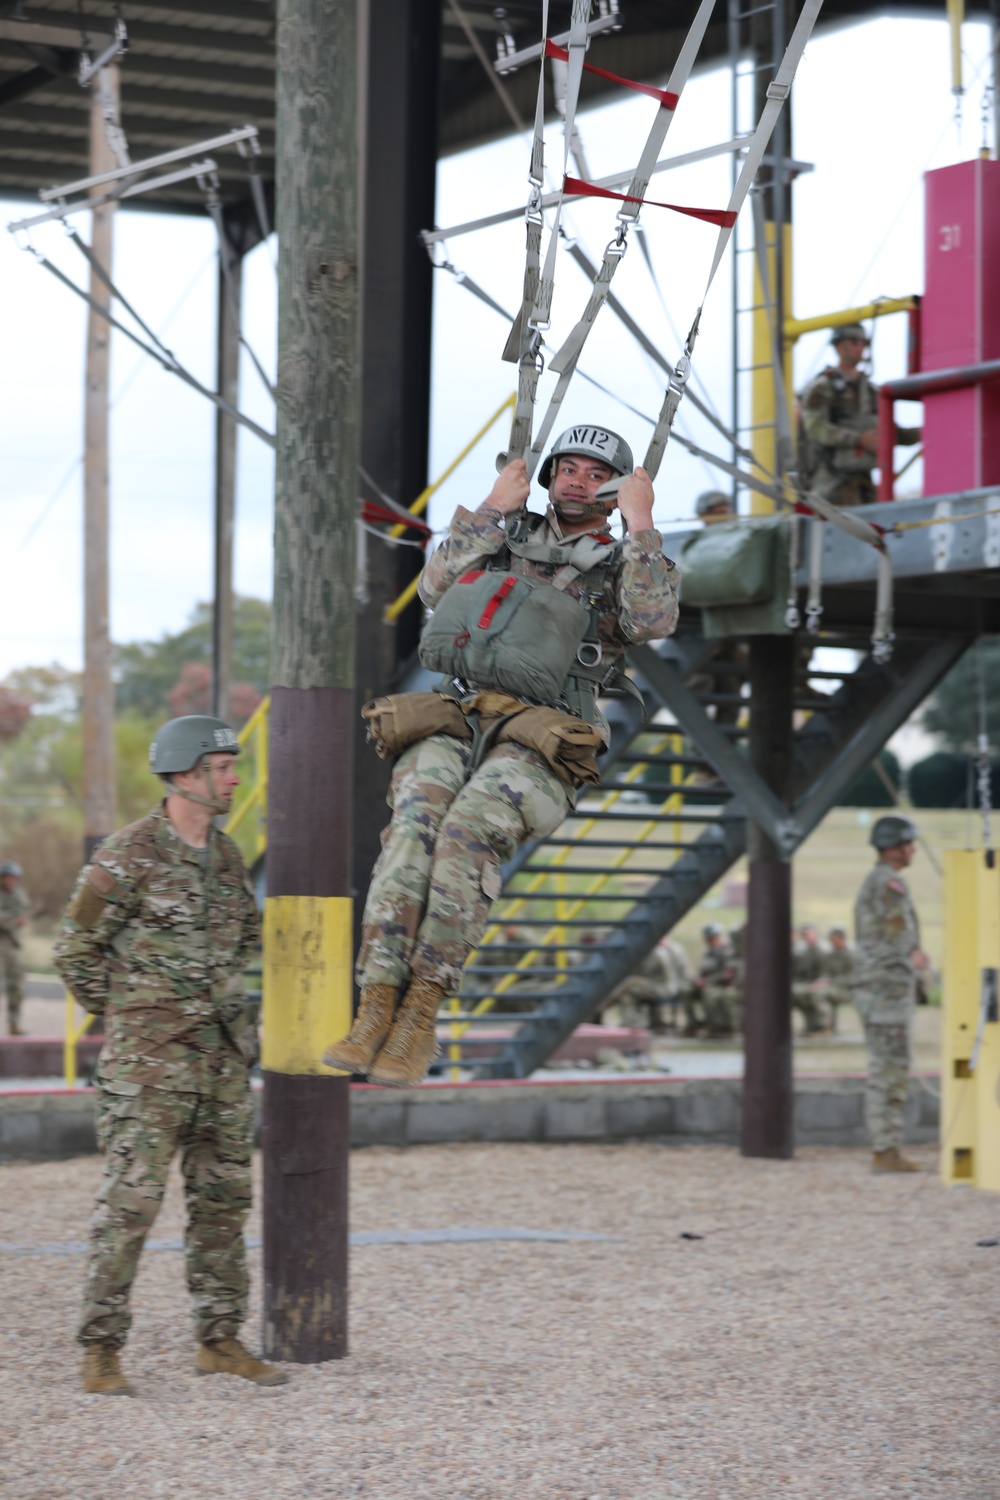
512,488
869,440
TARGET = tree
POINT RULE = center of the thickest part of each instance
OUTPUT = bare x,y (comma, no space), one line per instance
147,671
15,713
870,789
192,694
952,713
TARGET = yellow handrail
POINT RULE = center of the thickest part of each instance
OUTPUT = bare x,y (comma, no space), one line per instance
71,1036
395,609
796,327
257,724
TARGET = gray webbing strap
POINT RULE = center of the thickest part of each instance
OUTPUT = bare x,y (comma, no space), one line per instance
628,213
156,350
777,92
214,205
579,41
524,343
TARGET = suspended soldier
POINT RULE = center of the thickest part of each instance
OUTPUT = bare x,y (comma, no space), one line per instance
888,959
532,617
838,430
156,936
13,919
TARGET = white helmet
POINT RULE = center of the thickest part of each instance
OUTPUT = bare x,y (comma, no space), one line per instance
590,442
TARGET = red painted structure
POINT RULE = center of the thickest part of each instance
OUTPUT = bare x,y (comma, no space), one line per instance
960,329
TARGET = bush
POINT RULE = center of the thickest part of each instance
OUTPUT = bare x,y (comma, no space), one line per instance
941,780
870,789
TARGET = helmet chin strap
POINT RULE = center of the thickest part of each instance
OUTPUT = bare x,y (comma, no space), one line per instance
213,802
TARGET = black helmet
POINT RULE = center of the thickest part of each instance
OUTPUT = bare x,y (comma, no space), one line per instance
892,830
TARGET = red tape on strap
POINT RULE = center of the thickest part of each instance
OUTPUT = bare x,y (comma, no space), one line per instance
575,187
486,617
667,100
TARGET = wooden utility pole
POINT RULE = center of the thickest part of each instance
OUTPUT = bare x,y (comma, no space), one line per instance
230,296
98,687
308,911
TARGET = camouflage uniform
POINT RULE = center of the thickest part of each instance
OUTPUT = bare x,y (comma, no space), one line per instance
722,1001
439,871
884,991
157,942
640,996
807,977
836,409
13,907
838,971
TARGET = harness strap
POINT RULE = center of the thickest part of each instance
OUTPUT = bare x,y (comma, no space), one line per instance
777,92
156,350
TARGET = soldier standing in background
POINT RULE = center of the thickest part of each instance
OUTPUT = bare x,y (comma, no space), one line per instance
888,959
838,436
712,506
13,916
155,939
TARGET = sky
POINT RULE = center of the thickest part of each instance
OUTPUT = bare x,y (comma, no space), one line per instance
872,111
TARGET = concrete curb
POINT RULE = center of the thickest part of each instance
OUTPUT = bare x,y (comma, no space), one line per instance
828,1111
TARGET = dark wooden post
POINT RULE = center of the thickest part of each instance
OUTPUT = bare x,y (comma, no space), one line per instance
98,686
308,911
768,1098
399,175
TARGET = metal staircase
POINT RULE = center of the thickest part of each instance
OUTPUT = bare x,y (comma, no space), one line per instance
588,903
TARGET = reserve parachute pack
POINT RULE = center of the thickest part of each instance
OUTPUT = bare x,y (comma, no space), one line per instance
499,631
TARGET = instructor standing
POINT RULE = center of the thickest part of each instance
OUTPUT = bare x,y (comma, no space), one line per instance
888,958
155,939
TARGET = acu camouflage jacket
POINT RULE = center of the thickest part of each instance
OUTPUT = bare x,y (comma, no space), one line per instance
157,943
13,906
887,931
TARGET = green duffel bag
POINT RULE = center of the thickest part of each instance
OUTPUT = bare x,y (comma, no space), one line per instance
730,563
504,632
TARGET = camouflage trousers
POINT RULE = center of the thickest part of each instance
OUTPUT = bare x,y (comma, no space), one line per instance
722,1005
11,979
888,1082
439,871
140,1130
810,1003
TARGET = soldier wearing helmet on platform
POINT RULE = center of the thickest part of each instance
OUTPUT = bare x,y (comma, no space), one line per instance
155,938
13,918
888,961
532,617
838,434
713,506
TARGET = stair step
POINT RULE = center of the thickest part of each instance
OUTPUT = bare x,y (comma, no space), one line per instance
652,817
606,844
593,870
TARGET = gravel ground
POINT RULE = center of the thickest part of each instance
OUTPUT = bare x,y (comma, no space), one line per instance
831,1336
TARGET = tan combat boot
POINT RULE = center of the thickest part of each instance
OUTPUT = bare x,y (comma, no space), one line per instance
102,1372
411,1046
371,1027
892,1160
229,1357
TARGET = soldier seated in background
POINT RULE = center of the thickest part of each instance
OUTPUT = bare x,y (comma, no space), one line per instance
808,981
716,982
678,982
838,433
511,963
838,971
13,920
155,938
640,996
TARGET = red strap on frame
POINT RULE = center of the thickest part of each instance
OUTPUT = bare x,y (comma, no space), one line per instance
576,187
667,100
485,619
